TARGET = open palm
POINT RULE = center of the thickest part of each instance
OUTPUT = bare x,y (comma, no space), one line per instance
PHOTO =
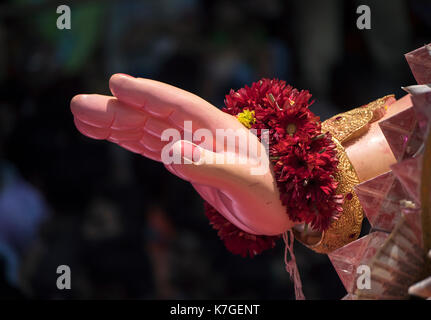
136,118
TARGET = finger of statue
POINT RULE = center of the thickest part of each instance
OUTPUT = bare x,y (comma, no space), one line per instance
203,166
168,102
91,131
127,143
103,117
225,181
218,199
206,178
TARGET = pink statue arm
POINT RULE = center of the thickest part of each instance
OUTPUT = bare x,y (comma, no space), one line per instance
142,109
138,115
373,144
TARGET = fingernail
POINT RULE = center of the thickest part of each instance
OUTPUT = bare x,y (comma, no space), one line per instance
191,153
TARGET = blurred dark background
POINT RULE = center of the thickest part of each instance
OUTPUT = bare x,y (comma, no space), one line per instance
126,227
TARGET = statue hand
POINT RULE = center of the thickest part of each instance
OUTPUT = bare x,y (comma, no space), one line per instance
138,116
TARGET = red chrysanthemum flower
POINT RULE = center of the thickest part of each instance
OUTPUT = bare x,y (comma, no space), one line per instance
304,160
236,240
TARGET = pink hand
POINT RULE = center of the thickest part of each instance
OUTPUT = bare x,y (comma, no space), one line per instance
136,118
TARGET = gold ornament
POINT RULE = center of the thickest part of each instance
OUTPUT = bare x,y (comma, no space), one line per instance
344,127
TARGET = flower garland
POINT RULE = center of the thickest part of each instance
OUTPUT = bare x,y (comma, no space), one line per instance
303,159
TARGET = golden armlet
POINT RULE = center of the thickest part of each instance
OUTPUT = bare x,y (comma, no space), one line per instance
344,127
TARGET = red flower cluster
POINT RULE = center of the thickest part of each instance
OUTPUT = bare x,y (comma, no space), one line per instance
304,160
236,240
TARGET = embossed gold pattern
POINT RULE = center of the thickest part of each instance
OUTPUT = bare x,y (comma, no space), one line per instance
348,226
353,123
344,127
348,125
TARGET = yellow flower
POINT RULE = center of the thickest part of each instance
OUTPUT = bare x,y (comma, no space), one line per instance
246,118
